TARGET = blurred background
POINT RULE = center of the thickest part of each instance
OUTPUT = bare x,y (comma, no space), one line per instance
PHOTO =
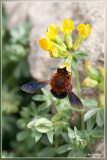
23,24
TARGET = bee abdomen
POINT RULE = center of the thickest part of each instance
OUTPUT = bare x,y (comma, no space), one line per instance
59,95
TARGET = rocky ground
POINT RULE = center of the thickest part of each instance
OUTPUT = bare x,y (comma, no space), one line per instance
42,14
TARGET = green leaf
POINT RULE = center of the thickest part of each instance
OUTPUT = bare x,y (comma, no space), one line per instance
72,153
22,135
80,55
90,113
66,137
90,123
47,152
46,92
58,130
44,140
74,63
87,151
37,136
64,148
76,153
89,103
100,117
39,97
43,125
50,136
31,124
80,153
91,140
97,132
42,129
44,106
71,133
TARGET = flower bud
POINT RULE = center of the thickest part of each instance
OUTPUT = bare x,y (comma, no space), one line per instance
101,100
101,70
43,125
101,86
90,71
56,117
60,124
44,122
77,143
88,82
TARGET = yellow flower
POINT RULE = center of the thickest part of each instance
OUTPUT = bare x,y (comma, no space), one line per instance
45,44
84,30
88,82
66,66
101,100
54,52
90,71
88,64
101,69
52,31
67,25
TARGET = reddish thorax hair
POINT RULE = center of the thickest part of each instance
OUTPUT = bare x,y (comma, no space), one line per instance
59,80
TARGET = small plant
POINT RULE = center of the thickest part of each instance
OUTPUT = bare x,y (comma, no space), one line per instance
68,139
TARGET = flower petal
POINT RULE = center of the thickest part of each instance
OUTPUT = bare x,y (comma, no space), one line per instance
45,44
84,30
54,52
67,25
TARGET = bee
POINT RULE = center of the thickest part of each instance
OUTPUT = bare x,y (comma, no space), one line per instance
60,87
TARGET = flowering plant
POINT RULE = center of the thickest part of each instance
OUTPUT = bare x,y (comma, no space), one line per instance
89,124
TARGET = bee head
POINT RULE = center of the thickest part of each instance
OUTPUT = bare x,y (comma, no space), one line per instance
62,70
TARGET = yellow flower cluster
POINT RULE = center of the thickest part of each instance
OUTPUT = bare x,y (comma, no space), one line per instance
56,46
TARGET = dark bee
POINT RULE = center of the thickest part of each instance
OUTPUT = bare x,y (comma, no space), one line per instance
60,87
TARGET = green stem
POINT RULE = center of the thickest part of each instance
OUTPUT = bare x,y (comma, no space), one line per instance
78,84
82,119
56,142
80,96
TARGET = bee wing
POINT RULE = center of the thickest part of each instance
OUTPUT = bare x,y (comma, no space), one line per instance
74,100
31,87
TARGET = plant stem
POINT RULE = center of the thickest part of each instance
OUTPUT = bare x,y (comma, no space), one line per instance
80,96
56,142
78,84
82,119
